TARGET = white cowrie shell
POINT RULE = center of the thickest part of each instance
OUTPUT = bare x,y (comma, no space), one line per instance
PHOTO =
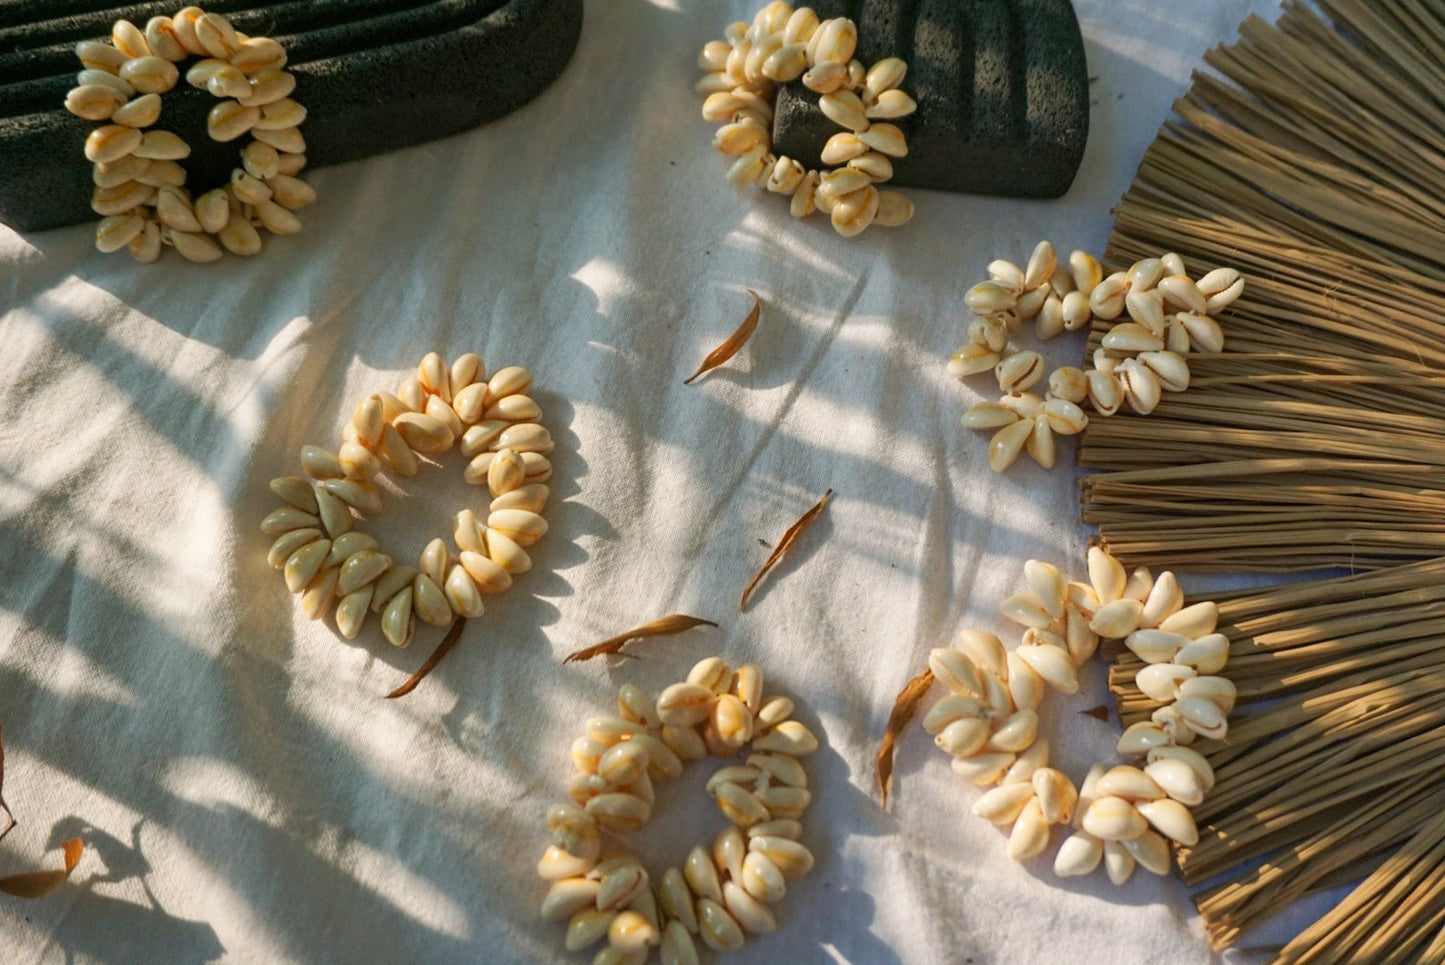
1129,783
1088,791
305,563
1007,443
1182,294
1030,833
1161,681
717,928
1003,804
963,737
621,883
429,603
1025,687
702,874
1065,418
894,209
1203,716
568,896
1016,733
1205,335
1053,665
1048,585
1118,862
1056,795
1172,723
972,359
1147,309
351,612
1172,819
1139,738
586,928
557,863
1155,646
1150,851
1020,371
1106,575
462,593
988,415
1129,337
1218,690
1190,757
288,543
1025,609
991,296
1140,582
396,618
619,811
789,737
1114,819
885,138
951,708
1041,265
1080,854
1142,388
1193,621
684,704
1104,392
1171,369
986,651
954,670
1178,780
390,583
982,769
1117,619
1086,270
1164,599
1023,767
1208,654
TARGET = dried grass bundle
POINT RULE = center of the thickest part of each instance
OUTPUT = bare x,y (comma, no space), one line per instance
1332,769
1312,162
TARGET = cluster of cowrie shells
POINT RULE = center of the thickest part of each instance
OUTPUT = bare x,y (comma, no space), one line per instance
140,188
1122,815
720,894
782,45
1169,315
326,560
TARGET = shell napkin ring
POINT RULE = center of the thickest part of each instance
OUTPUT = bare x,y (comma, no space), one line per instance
1122,815
1168,314
140,188
328,561
722,892
782,45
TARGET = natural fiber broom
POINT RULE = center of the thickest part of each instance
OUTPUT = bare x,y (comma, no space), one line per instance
1313,163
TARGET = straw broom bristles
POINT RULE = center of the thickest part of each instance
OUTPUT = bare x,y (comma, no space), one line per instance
1331,769
1312,164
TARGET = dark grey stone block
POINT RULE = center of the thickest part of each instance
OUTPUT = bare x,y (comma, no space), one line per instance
1002,89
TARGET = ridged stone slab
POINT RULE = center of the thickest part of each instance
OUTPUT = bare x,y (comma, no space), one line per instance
1002,89
374,76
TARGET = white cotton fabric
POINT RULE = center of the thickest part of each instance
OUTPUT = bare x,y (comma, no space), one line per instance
244,791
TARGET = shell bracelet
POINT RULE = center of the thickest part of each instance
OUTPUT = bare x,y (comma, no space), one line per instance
140,188
327,560
723,892
782,45
1169,315
1123,815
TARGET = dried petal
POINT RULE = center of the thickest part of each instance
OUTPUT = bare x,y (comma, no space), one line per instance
734,341
790,537
904,710
664,626
38,884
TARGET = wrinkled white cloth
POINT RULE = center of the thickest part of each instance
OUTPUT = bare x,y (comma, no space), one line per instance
243,789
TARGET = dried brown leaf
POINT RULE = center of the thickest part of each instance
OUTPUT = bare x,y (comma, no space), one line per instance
38,884
905,708
443,648
665,626
10,821
794,531
734,341
1100,712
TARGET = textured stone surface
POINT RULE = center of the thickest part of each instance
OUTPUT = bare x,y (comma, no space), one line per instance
374,75
1002,90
